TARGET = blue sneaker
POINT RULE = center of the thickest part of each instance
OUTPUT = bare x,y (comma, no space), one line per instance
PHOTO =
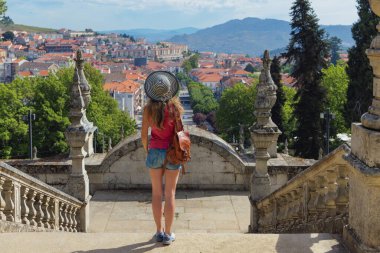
159,236
168,239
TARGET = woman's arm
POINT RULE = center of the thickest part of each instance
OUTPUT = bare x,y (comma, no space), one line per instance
144,130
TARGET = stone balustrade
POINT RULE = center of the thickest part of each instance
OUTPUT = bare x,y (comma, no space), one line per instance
26,204
315,201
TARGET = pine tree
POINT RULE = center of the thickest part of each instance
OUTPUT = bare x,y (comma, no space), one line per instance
277,110
359,93
335,46
307,51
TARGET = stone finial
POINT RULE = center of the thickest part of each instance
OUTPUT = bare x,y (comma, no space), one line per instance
286,150
320,155
34,152
81,78
109,144
241,136
77,112
266,97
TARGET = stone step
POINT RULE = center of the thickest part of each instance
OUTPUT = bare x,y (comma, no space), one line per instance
59,242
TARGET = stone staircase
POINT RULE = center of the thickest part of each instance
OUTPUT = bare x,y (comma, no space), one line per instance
206,221
186,242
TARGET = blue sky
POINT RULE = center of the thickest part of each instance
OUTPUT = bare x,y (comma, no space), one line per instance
164,14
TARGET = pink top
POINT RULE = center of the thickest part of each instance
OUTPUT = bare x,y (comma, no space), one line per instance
161,139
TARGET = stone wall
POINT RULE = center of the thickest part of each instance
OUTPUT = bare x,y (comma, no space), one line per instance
214,165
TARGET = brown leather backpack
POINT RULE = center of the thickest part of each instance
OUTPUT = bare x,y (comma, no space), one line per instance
179,150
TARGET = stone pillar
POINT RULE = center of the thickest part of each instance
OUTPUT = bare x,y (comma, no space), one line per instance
264,133
78,135
85,89
362,234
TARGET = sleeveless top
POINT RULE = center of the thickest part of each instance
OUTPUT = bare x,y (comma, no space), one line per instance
162,138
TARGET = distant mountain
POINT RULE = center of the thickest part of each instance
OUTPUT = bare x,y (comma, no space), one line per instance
153,35
250,36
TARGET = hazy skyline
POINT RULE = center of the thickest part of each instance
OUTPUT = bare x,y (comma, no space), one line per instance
164,14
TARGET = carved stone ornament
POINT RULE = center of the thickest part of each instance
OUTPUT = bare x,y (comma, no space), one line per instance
371,119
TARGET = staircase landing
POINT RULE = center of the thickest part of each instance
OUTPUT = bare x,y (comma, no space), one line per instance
196,211
206,221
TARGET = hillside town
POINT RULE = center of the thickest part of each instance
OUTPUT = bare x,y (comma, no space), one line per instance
123,60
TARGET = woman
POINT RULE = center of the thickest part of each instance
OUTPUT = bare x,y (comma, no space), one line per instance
161,88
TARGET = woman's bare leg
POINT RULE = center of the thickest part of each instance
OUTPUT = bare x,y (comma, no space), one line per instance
156,178
171,179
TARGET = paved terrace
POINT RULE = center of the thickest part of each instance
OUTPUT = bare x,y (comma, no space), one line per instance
196,211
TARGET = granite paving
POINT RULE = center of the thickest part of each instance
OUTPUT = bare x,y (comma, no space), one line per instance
198,211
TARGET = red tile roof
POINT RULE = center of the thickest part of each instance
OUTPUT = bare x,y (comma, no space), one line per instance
127,86
25,73
44,73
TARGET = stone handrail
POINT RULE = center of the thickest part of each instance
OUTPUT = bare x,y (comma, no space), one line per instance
27,201
316,200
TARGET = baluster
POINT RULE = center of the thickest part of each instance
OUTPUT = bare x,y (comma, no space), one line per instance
289,213
312,201
9,205
320,205
38,204
2,200
271,215
45,210
61,216
282,214
32,210
298,209
77,219
342,198
65,218
331,178
16,198
51,210
69,217
24,205
320,201
280,211
74,217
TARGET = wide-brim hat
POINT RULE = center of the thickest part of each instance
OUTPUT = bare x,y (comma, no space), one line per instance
161,86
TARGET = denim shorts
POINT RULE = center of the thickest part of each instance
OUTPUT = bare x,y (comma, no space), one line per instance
156,159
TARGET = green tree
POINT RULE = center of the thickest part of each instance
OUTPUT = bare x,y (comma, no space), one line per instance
202,98
48,98
190,63
236,107
277,110
3,7
7,21
13,130
335,81
250,68
8,36
290,121
308,50
335,46
359,92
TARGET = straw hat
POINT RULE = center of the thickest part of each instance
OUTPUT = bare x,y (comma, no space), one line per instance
161,86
